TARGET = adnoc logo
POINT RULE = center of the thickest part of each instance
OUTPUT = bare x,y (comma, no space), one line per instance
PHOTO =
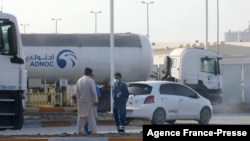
209,78
66,57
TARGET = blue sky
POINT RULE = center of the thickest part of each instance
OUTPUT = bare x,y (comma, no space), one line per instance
169,20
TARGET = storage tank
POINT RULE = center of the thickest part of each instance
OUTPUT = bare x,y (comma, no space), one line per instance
52,57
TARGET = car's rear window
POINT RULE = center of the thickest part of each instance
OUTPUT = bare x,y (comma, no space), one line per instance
139,89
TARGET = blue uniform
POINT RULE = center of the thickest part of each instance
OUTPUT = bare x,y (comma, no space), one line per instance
120,95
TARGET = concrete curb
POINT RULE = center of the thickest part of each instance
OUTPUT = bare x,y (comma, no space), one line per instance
24,139
44,109
56,123
73,139
51,109
33,123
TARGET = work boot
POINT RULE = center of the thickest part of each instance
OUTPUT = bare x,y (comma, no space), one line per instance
121,130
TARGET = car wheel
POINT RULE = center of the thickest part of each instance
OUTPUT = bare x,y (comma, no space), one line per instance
205,115
159,116
170,121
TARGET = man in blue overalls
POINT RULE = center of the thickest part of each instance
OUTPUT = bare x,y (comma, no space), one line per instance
120,96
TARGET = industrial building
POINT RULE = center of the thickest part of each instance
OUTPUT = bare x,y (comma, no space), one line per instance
238,36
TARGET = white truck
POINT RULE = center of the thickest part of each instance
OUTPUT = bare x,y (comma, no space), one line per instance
198,68
51,57
13,76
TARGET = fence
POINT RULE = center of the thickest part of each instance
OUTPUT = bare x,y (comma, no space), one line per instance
43,99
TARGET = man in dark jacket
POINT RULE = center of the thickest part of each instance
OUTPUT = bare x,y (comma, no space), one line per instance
120,96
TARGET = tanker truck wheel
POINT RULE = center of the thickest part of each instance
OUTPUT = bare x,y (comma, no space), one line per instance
104,103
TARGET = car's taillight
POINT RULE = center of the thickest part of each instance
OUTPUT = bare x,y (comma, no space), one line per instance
149,99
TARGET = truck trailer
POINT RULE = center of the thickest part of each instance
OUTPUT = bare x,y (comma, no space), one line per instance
51,57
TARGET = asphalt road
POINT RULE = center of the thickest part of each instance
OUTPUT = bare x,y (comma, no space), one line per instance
240,118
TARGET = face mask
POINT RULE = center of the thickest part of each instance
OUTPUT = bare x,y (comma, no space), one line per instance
116,80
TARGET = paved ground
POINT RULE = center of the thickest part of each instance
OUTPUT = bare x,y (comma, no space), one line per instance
32,132
34,127
134,129
66,131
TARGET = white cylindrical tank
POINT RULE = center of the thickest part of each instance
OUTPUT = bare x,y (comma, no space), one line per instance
52,57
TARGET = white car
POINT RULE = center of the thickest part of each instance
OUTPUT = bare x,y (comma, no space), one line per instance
165,101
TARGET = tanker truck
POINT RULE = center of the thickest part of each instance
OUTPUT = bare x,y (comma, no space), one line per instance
52,57
13,76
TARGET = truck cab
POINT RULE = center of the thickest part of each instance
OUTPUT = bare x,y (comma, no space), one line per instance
13,76
199,69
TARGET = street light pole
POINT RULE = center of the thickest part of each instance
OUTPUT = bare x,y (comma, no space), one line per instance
206,46
24,27
95,12
1,5
56,20
147,3
112,40
218,25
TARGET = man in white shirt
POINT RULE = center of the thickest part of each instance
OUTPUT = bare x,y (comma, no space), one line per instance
87,101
